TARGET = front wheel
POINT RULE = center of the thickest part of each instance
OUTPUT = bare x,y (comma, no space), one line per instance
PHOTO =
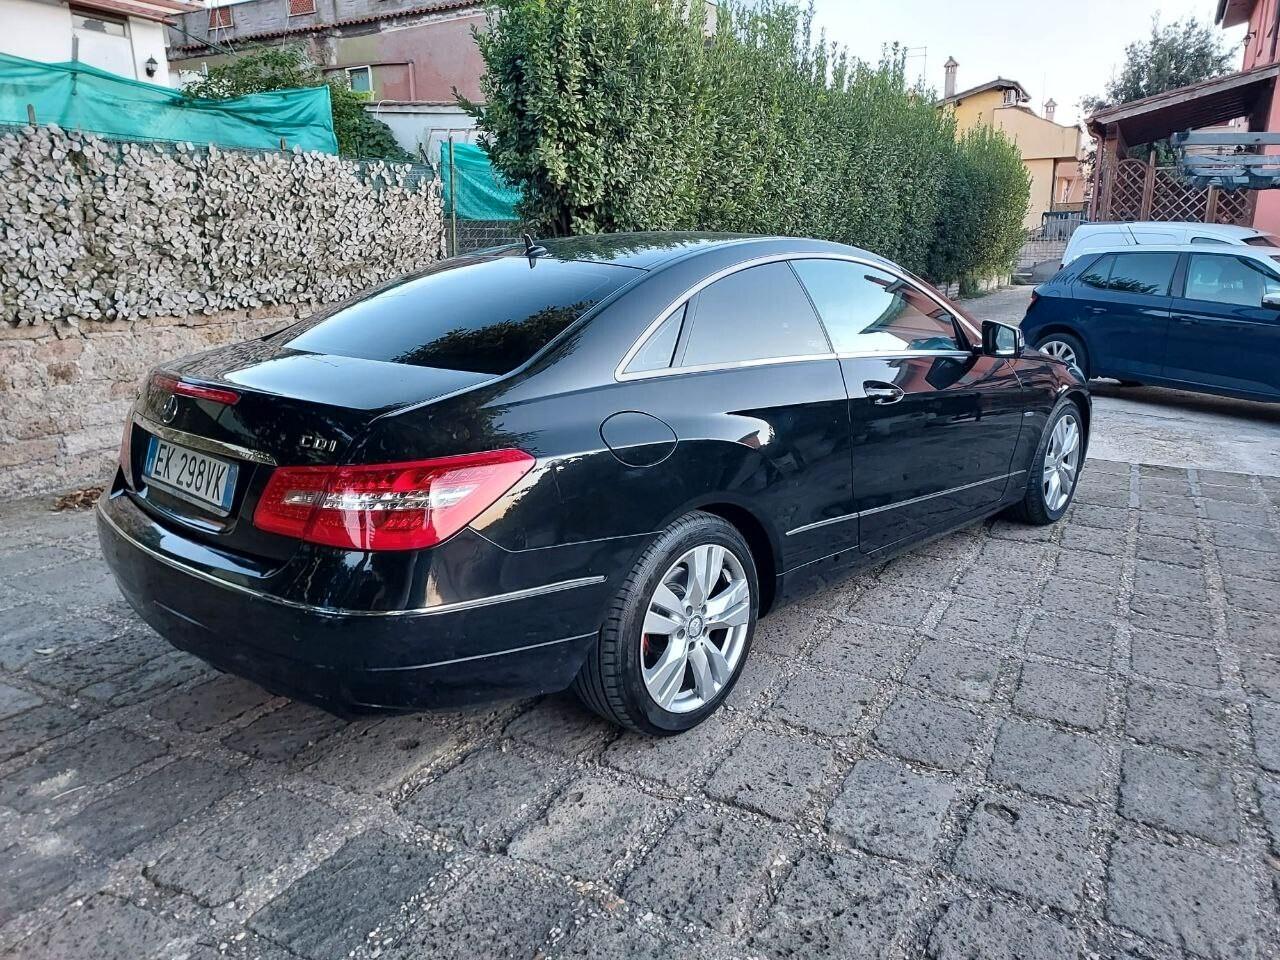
678,633
1051,482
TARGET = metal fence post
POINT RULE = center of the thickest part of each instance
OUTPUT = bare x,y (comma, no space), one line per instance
453,201
31,114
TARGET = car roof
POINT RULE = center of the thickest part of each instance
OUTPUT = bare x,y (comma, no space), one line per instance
647,251
1222,229
1244,250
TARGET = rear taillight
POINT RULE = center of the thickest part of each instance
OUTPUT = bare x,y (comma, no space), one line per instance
1032,302
387,506
199,391
126,450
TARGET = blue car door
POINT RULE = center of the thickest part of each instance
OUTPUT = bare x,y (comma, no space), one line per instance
1223,332
1123,304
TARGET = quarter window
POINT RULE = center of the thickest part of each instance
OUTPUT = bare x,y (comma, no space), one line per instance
759,313
1098,273
660,348
1228,280
1144,273
870,311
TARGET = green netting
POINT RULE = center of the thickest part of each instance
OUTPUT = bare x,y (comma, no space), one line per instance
482,193
79,97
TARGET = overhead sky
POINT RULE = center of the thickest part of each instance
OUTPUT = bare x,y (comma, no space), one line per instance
1063,51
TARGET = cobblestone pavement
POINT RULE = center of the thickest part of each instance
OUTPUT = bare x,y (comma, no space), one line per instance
1013,742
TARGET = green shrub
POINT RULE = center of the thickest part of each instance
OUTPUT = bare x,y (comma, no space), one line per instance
627,115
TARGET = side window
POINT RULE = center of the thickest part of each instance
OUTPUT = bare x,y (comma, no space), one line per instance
1144,273
1098,273
1221,279
755,314
869,311
660,348
1209,240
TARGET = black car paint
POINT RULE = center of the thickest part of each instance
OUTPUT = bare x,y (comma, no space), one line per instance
779,450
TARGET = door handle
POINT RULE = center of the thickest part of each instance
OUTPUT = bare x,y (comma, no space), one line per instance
880,392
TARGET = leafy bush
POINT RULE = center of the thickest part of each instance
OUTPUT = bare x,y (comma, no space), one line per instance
638,115
288,68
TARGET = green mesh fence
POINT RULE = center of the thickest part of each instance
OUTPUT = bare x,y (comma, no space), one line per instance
79,97
481,193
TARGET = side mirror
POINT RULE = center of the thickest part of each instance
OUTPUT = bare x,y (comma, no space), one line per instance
1271,300
1001,339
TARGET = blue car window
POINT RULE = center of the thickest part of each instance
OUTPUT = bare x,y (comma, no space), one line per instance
1148,274
1098,273
1220,279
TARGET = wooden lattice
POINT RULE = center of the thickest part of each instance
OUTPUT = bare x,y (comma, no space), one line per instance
1172,198
1235,206
1134,190
1127,179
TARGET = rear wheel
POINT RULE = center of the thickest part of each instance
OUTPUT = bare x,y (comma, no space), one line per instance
1051,481
678,632
1068,349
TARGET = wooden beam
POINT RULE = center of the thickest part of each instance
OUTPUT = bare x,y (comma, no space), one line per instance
1254,139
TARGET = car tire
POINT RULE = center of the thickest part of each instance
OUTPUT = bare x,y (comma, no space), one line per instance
630,676
1044,500
1064,346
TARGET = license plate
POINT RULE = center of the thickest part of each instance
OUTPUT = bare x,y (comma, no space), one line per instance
207,481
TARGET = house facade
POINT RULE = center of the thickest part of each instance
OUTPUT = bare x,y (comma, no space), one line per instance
125,37
1051,152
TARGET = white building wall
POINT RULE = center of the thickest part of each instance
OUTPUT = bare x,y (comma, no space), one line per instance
41,30
424,125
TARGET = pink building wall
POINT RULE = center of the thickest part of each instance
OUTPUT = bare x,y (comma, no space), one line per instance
1262,47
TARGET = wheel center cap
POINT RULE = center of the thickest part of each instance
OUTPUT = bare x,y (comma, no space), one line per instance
695,626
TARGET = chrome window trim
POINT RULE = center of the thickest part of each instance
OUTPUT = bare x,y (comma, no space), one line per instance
621,375
202,443
453,607
902,503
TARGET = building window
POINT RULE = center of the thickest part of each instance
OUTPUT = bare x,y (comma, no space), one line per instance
219,17
298,8
360,79
1011,96
99,23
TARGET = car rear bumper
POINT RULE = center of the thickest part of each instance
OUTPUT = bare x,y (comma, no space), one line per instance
495,645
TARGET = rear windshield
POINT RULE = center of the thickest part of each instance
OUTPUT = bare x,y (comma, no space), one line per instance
483,316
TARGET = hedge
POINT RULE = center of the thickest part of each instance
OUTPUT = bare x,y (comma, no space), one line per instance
615,115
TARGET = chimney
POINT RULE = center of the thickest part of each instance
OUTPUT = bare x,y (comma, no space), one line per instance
1050,106
949,84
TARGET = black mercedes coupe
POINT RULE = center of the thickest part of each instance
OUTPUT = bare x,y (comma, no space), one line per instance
592,462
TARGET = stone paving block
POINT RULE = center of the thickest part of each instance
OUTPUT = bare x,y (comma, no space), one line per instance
593,824
1261,675
1243,536
891,606
978,621
80,584
1163,525
871,651
1185,553
1248,563
201,708
378,756
953,670
486,797
1002,529
1100,517
1253,631
1093,540
836,907
1261,596
136,685
1091,567
1177,794
824,702
1171,486
918,570
1225,511
618,938
1052,692
673,761
1229,493
23,559
283,734
216,862
61,775
990,583
771,773
1224,478
917,728
1081,599
703,843
785,635
331,910
1012,558
1047,761
1177,719
1030,850
35,631
1152,611
1169,506
113,826
32,876
562,725
1109,495
74,671
1266,734
890,809
760,676
31,728
1183,897
1151,576
495,913
994,930
1269,795
14,701
1089,642
1166,657
103,927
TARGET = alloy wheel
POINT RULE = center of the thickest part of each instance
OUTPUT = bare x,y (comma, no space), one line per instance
695,628
1061,462
1061,351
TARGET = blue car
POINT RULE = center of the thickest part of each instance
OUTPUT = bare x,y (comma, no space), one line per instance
1194,317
